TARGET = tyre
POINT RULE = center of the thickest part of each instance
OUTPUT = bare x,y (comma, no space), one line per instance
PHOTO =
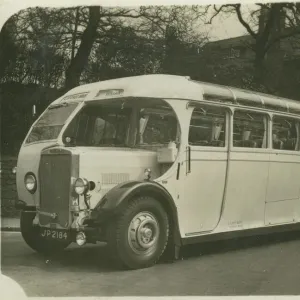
139,235
31,236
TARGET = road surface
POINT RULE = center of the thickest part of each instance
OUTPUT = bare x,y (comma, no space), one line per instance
245,267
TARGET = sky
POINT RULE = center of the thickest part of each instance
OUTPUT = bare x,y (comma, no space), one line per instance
224,28
221,28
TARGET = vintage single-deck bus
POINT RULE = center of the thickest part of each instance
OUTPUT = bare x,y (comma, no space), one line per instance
151,163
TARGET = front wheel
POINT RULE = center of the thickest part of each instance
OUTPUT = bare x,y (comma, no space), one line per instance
32,238
138,237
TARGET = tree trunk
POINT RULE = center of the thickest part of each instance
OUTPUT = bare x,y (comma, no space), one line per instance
259,64
80,60
259,59
75,33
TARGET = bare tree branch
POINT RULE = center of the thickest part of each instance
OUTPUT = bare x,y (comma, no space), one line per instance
217,11
283,36
243,22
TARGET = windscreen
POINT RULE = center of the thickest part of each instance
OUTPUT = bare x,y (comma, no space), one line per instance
49,126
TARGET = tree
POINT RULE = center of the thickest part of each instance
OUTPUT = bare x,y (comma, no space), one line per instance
267,24
173,53
150,22
58,46
8,48
128,55
48,51
40,55
79,61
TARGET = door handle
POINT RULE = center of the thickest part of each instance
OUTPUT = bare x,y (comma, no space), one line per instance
188,151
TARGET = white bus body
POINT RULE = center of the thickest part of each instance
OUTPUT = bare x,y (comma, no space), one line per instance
219,162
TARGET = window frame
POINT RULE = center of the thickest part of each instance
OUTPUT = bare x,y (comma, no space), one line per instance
77,107
227,113
134,124
283,116
148,120
268,129
89,126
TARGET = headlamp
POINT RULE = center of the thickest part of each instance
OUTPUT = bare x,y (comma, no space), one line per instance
81,186
30,182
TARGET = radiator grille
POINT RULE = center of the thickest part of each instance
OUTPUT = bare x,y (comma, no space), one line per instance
54,182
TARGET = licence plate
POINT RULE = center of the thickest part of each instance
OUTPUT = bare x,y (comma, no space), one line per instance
54,234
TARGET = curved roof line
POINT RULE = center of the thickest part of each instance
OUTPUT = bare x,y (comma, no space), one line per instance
252,98
182,87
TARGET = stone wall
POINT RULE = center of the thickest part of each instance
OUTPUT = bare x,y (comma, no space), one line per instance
8,189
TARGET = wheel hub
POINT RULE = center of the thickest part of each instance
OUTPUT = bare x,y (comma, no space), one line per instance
143,232
146,233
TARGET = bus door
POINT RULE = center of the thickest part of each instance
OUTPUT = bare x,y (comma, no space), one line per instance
203,185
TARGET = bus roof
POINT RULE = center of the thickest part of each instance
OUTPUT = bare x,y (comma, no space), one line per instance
177,87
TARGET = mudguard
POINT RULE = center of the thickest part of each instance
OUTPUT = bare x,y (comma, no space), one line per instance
117,199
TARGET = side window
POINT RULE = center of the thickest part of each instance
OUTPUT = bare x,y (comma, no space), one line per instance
285,134
207,127
158,127
249,129
110,129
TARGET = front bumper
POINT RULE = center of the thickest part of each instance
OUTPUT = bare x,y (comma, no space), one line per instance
93,224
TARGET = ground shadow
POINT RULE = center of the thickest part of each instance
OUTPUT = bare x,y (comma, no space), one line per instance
236,244
93,258
96,258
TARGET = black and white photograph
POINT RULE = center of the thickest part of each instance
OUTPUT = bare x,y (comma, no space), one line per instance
150,149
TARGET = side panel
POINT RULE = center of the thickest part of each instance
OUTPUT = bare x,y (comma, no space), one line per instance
246,190
283,193
110,167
